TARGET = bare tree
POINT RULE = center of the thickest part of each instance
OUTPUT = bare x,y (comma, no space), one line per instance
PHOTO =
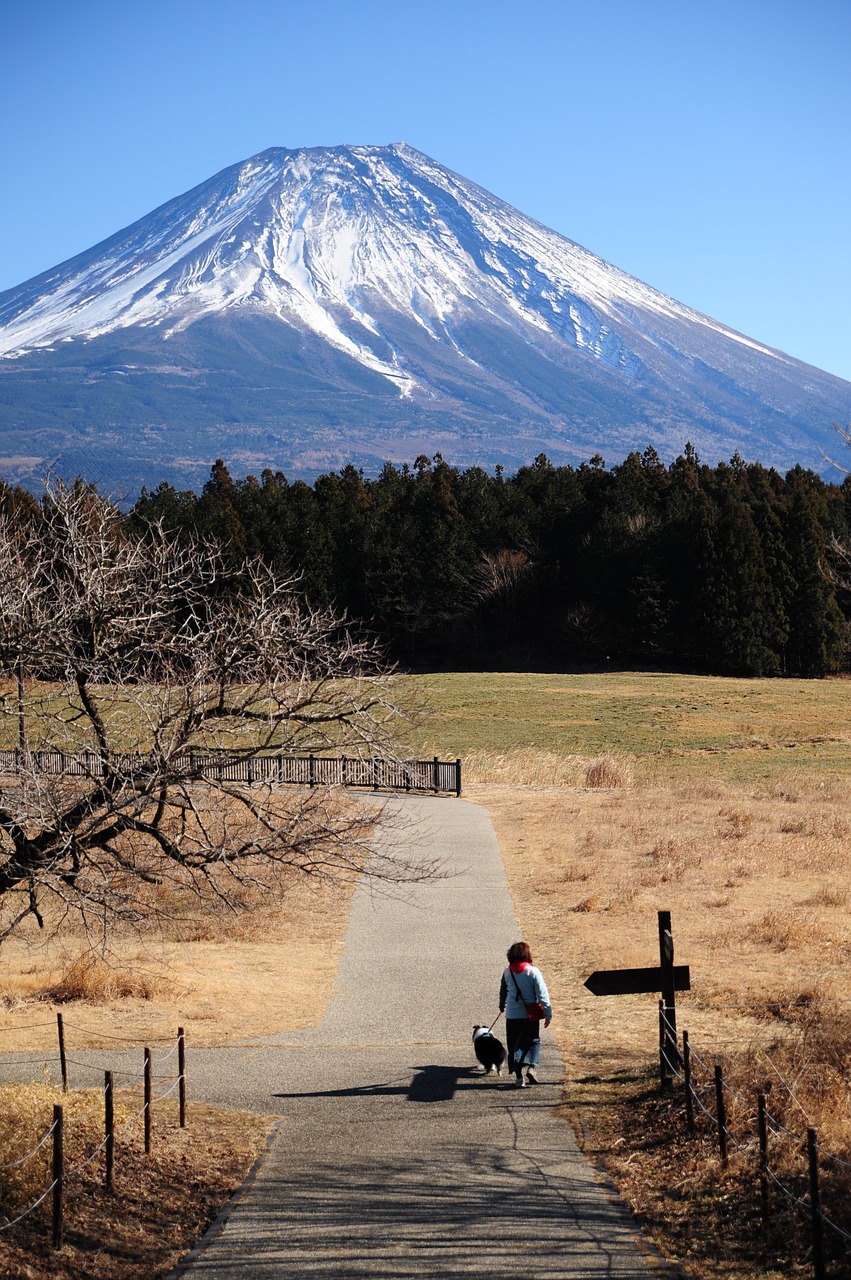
503,583
135,658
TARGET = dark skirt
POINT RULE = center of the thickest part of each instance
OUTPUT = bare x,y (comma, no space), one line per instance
524,1042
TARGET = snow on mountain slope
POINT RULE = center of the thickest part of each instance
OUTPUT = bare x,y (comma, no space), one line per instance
318,238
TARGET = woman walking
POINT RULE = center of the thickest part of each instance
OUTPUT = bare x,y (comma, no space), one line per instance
524,998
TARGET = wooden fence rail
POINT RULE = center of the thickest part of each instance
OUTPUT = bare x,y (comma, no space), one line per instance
438,776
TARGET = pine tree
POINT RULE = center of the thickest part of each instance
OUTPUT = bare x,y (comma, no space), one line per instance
816,626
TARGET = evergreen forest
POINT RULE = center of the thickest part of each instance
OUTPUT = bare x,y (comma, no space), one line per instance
732,569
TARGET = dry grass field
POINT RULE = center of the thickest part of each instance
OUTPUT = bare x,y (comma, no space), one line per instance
613,796
545,728
161,1203
756,879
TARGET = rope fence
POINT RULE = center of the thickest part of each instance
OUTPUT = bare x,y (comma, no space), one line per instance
706,1094
56,1133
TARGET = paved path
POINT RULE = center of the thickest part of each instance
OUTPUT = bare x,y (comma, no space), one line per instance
393,1158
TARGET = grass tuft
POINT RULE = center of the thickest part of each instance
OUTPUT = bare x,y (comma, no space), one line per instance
26,1114
609,772
91,979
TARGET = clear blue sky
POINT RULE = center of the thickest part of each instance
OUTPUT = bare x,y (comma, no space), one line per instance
702,145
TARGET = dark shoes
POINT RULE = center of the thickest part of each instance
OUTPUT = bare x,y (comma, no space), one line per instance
520,1081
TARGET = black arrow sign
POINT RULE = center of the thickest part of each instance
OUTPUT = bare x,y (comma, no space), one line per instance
631,982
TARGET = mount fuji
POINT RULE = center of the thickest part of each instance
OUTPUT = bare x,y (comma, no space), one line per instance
313,307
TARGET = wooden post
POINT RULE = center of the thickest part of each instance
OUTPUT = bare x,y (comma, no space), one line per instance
181,1069
311,771
374,773
457,777
435,780
345,771
666,964
687,1078
721,1113
109,1129
147,1053
63,1061
664,1074
58,1175
762,1127
815,1207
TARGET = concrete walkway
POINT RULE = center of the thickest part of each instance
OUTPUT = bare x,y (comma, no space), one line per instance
393,1159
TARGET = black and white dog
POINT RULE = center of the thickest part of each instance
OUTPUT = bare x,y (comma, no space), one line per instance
489,1051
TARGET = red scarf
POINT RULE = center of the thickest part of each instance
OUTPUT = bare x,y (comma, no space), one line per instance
519,965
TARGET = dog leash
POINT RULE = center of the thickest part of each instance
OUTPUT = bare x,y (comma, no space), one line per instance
495,1021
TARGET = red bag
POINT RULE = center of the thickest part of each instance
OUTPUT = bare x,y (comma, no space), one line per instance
534,1012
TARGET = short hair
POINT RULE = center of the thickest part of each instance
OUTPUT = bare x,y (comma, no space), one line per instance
519,951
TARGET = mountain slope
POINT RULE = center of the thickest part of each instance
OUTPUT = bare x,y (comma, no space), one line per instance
311,307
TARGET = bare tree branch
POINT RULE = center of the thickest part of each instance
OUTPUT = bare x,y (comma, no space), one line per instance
148,654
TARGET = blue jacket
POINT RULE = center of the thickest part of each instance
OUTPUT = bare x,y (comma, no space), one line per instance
532,987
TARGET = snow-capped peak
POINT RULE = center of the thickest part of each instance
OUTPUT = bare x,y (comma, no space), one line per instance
330,240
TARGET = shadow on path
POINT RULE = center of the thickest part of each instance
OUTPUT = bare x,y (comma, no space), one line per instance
429,1084
472,1214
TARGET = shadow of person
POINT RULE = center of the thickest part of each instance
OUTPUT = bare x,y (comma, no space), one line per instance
429,1084
435,1084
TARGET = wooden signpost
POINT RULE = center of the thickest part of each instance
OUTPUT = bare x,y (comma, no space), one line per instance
667,979
634,982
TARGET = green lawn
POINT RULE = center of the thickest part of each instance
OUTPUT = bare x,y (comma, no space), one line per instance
673,724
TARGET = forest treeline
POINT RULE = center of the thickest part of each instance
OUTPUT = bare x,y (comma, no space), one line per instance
730,569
